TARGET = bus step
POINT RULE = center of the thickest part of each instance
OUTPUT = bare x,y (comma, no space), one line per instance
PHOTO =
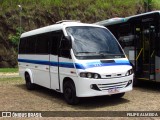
146,76
143,78
146,79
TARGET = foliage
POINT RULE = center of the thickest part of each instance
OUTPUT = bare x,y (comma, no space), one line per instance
156,4
38,13
147,5
14,39
88,5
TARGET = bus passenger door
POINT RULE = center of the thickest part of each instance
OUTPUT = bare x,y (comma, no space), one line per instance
157,56
54,60
145,52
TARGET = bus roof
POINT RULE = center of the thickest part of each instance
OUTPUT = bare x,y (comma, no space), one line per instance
122,20
59,26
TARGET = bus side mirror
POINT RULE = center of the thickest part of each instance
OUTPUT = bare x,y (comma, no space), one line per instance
66,43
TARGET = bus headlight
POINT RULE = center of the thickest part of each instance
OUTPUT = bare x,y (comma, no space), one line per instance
96,76
129,72
89,75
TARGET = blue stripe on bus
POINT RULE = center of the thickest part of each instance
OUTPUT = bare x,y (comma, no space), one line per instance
42,62
77,65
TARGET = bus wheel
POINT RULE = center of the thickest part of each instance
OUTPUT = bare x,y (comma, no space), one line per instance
119,95
70,93
29,85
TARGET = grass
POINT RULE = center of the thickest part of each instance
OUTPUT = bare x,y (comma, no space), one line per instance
48,4
156,4
84,10
10,79
86,7
39,13
8,70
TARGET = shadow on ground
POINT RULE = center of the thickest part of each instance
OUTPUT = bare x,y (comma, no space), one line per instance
85,103
149,86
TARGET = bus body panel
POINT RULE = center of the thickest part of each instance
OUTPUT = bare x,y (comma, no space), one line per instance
66,69
54,72
157,59
39,67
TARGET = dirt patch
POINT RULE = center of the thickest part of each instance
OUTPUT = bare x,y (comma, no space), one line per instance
15,97
8,75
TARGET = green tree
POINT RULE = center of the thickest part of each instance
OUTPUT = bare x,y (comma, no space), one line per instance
14,39
147,5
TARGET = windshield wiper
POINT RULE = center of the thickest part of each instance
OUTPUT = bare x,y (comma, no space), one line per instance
108,53
84,52
100,52
103,53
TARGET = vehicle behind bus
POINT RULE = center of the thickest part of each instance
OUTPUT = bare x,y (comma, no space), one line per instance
139,36
76,59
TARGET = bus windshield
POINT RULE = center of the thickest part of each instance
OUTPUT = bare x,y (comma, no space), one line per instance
94,42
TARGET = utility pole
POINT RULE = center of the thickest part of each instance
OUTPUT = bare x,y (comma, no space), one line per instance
20,18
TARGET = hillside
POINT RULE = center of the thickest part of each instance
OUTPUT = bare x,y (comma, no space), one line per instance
39,13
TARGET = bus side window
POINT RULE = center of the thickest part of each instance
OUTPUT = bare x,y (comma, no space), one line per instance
56,37
55,42
22,46
30,45
126,38
42,44
64,48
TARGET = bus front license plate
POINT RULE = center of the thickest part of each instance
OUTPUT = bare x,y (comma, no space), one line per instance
113,90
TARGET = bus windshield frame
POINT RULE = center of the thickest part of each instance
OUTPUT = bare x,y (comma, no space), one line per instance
90,42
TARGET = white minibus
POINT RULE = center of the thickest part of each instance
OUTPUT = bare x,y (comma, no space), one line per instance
76,59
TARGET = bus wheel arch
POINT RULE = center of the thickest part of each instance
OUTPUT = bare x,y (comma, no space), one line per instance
28,71
69,91
29,84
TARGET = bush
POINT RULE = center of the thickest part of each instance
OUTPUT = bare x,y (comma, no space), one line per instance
14,39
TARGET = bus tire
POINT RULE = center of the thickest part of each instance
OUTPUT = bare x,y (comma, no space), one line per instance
29,85
119,95
69,92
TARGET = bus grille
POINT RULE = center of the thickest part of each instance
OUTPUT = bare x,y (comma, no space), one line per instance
112,85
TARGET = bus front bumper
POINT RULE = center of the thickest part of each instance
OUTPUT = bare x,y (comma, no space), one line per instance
86,87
